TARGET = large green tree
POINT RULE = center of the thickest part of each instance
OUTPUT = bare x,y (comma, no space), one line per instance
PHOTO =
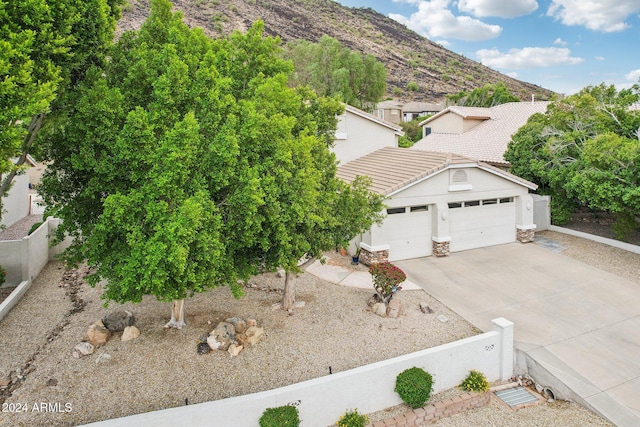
45,48
333,70
186,163
584,151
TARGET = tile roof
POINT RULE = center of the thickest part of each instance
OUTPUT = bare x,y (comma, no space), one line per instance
392,169
487,141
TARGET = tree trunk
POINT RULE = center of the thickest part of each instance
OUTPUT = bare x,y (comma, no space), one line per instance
32,132
289,297
177,315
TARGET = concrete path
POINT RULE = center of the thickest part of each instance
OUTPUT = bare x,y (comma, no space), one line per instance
576,326
335,273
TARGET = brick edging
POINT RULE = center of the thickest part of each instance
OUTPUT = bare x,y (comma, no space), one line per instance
437,410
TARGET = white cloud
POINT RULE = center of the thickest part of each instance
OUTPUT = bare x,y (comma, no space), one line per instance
434,20
499,8
560,42
599,58
599,15
633,76
528,57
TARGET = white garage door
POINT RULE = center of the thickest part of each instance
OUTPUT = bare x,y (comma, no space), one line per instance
409,232
480,223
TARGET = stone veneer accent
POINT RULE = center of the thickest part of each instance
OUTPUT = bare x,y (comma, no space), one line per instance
440,249
368,257
526,235
435,411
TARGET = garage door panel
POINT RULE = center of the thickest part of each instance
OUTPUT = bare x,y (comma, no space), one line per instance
409,235
480,226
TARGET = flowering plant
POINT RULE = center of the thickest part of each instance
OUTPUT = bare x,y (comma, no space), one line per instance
353,419
386,280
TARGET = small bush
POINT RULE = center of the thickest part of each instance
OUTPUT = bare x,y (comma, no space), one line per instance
353,419
3,275
282,416
34,227
386,279
414,386
475,381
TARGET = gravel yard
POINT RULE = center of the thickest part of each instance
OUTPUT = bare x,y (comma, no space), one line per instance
161,368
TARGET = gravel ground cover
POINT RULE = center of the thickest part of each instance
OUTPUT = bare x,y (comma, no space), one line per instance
161,368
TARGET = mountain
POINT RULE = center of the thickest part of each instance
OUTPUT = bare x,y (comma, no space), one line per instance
407,55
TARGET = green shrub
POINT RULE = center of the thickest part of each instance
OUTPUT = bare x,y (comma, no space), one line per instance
353,419
282,416
475,381
3,275
34,227
414,386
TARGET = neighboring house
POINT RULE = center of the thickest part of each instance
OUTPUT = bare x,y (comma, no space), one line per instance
412,110
440,203
390,111
360,133
475,132
396,112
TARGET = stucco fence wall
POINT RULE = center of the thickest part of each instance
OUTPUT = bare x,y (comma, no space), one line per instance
24,259
369,388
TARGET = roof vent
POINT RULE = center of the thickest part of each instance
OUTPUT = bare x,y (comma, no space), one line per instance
459,177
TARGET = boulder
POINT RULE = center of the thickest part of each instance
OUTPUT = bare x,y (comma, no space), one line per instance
130,333
380,309
97,335
394,308
116,321
224,334
212,343
254,335
239,324
235,349
82,349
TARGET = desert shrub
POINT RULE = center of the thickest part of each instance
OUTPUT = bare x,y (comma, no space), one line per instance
475,381
414,386
386,279
3,275
353,419
282,416
34,227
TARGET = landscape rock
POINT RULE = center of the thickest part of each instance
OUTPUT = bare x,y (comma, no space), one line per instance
83,349
281,273
254,335
130,333
212,343
239,324
103,358
425,308
394,308
235,349
224,334
98,335
116,321
380,309
203,348
252,322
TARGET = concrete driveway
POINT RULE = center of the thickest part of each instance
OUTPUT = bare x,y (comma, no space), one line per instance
577,328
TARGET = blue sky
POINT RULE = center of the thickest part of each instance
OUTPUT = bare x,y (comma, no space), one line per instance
562,45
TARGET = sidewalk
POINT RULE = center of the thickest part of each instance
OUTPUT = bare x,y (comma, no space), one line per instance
334,272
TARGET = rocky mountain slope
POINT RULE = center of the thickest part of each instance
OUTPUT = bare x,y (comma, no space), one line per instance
407,56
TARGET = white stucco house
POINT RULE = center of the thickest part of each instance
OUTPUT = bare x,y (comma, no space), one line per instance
478,133
439,203
360,133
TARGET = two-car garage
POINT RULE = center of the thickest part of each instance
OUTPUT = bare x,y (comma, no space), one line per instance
440,203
